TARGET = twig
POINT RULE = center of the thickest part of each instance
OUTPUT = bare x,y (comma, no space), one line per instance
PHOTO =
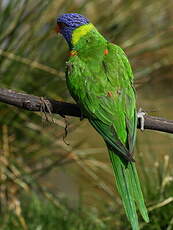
161,204
37,104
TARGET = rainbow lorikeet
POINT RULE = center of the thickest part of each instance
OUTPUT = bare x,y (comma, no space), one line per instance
100,79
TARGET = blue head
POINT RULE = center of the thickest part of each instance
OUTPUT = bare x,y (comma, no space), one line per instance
66,23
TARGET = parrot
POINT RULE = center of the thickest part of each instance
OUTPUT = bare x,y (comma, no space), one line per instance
100,79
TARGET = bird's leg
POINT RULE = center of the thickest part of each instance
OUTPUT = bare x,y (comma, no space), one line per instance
140,115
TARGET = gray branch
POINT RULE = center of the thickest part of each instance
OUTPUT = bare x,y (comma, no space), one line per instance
41,104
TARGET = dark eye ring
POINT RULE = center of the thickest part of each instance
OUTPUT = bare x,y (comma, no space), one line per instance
62,25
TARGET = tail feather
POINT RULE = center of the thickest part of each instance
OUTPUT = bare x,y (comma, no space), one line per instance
129,188
138,196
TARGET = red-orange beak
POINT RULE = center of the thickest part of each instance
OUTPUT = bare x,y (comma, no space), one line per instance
57,28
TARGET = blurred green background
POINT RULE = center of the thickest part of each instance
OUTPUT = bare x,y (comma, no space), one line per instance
46,184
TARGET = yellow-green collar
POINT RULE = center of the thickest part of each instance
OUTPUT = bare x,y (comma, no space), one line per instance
80,32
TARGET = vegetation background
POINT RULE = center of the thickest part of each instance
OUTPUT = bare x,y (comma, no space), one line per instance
46,184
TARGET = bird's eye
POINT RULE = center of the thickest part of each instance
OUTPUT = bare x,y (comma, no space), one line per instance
62,25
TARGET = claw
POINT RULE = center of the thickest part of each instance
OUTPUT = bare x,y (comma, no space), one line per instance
140,115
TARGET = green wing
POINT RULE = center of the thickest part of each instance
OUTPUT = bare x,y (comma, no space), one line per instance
106,96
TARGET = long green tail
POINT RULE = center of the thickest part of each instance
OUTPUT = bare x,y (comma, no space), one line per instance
129,188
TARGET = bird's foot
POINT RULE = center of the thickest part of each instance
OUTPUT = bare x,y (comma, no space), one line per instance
140,116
